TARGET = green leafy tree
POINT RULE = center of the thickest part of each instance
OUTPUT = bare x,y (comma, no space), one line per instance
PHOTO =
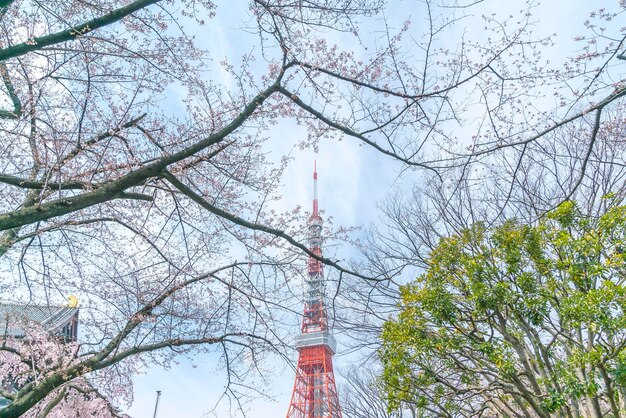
516,321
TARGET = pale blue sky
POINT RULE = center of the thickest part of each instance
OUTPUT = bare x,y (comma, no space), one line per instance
352,179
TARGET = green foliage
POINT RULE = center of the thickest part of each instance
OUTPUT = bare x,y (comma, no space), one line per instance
527,313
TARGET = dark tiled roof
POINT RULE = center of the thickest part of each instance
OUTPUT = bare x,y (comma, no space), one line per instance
53,318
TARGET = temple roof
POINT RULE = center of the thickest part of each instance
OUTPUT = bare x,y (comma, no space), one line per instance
53,318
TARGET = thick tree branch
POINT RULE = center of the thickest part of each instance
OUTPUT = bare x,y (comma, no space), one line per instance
53,403
135,196
74,32
8,84
6,394
39,185
4,6
113,189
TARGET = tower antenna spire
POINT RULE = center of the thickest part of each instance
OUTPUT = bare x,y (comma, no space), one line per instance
315,204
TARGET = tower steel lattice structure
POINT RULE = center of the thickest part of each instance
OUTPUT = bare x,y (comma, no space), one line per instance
314,391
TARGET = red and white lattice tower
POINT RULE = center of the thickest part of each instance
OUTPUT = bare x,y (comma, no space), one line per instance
314,392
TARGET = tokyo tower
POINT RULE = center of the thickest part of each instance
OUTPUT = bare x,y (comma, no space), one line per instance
314,392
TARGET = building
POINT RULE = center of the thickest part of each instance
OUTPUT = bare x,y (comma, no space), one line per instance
59,321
